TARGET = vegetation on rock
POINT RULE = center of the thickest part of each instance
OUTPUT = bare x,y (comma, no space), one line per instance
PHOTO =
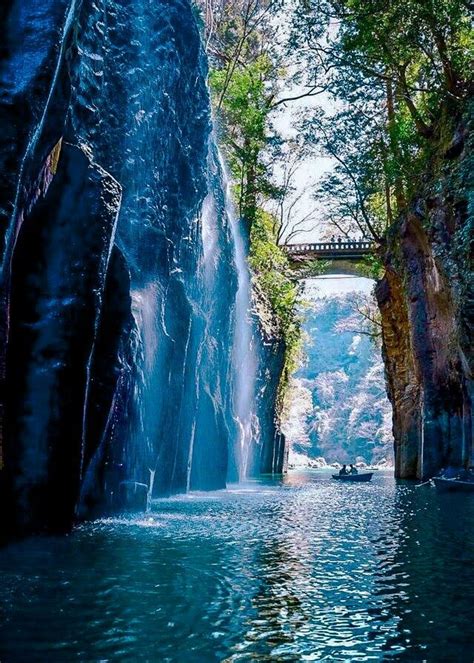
246,69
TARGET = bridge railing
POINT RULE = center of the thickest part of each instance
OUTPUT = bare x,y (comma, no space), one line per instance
346,246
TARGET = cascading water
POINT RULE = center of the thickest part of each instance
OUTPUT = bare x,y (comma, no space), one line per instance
244,353
177,232
142,335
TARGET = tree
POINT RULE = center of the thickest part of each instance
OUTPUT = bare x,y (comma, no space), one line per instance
397,72
246,71
290,217
364,317
240,39
249,70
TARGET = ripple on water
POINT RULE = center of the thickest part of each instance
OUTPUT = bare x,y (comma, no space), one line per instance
302,570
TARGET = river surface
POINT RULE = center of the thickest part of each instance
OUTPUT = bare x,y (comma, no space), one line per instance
301,569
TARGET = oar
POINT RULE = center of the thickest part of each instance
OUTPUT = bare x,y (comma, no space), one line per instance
419,485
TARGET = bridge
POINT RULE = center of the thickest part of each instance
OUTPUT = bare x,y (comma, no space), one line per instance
349,250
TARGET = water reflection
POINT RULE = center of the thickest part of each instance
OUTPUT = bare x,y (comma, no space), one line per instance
304,569
280,613
435,553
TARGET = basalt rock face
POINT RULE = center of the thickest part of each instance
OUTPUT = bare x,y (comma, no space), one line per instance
119,275
427,303
35,36
273,456
139,97
270,455
56,293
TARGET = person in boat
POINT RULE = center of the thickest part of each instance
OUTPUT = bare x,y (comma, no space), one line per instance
343,471
353,470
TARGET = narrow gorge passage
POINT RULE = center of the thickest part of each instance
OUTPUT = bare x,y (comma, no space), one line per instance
339,411
132,365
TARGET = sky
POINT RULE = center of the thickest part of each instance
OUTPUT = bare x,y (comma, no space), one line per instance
311,169
336,284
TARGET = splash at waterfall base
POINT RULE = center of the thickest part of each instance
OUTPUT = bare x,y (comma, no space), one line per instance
130,365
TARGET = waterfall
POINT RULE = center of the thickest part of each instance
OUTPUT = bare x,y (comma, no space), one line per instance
149,357
244,353
192,415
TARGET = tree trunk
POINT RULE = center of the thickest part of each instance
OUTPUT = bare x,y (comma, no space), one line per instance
395,149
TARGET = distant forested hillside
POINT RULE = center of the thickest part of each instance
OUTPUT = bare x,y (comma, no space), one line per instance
340,408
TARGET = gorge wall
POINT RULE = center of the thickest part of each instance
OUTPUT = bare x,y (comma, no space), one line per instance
426,300
121,276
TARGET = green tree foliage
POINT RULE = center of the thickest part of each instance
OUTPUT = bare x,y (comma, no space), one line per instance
399,72
244,112
249,69
395,76
245,75
274,280
273,273
242,79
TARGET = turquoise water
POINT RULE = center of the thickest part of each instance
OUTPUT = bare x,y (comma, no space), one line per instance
296,570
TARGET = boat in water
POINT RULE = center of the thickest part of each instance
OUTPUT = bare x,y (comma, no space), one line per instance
363,477
453,484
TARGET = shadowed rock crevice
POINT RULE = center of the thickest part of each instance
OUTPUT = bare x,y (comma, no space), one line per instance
59,270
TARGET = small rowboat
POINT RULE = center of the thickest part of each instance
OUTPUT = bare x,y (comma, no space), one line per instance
444,484
354,478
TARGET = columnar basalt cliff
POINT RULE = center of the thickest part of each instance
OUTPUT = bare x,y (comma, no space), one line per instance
427,303
270,454
120,279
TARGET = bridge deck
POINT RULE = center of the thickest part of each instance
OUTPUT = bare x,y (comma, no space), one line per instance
346,250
